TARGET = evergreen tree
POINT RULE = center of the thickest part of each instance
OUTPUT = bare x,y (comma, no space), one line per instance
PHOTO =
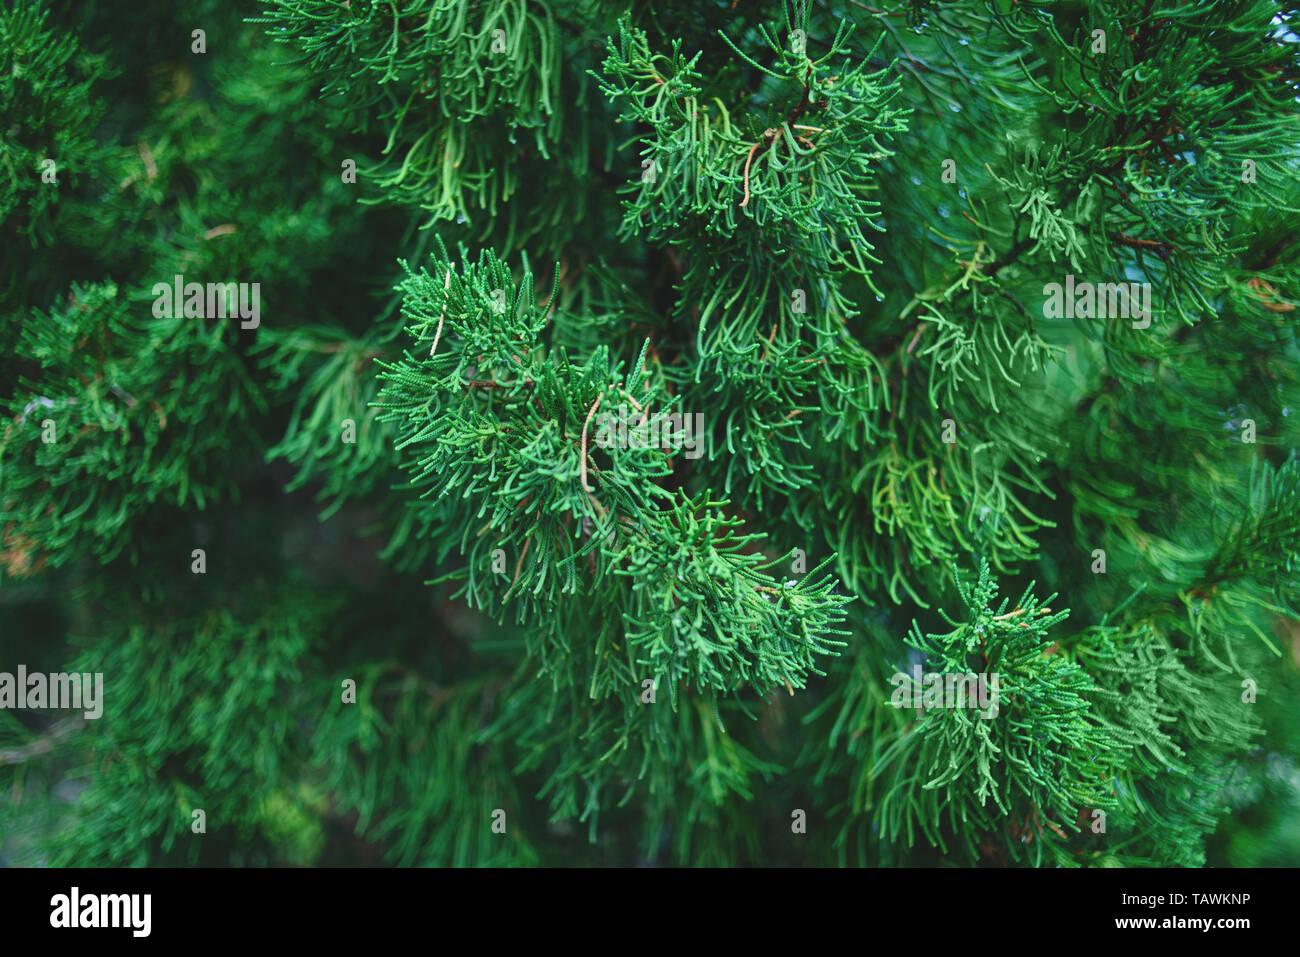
474,432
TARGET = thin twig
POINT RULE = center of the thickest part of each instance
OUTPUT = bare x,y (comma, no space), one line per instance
446,287
582,474
520,564
44,744
748,160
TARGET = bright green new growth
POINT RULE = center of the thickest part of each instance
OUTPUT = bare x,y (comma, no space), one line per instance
440,587
499,438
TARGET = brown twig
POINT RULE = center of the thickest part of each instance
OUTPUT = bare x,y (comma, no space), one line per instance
582,473
44,744
519,565
1161,248
767,138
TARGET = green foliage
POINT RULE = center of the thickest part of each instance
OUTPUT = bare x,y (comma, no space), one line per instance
1047,755
488,416
176,750
46,80
129,411
671,382
454,85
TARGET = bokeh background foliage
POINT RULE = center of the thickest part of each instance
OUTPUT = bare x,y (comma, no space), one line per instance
737,209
